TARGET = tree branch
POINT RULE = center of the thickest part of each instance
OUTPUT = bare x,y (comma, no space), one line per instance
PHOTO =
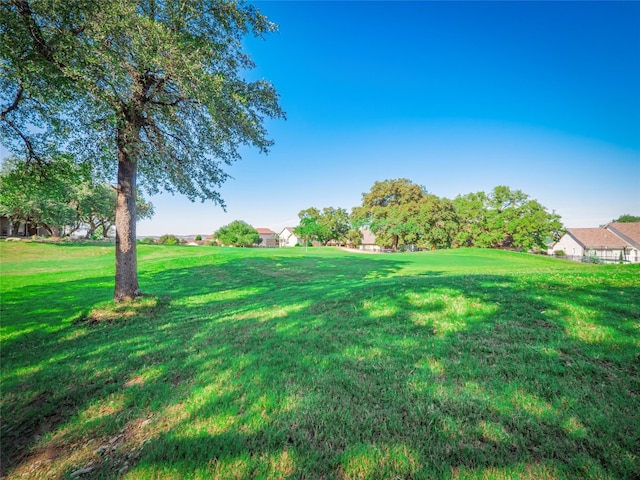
4,117
14,105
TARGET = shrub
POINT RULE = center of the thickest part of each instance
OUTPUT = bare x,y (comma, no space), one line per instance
167,239
148,241
198,238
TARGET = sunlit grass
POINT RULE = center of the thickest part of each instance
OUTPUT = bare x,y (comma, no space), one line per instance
259,363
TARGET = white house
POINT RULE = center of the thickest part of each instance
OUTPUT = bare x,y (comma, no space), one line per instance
630,233
268,237
288,238
615,242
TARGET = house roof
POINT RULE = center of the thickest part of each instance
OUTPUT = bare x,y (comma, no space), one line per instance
596,238
368,237
289,229
265,231
630,232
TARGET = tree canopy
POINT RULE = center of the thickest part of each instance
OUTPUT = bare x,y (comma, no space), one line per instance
505,218
400,212
238,234
330,224
390,211
148,91
41,194
60,196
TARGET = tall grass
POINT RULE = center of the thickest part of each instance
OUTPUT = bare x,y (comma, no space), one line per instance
322,364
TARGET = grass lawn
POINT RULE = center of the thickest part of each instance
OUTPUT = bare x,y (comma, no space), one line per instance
260,363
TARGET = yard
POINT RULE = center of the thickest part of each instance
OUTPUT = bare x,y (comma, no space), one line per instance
286,363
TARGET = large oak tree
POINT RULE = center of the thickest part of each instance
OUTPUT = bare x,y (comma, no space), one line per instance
148,90
390,211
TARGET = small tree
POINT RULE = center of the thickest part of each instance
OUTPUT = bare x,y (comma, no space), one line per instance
238,234
309,229
354,237
168,239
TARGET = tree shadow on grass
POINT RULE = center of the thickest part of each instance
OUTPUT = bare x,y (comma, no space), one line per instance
267,367
55,368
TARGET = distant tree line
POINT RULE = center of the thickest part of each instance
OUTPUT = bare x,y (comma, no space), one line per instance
401,213
59,196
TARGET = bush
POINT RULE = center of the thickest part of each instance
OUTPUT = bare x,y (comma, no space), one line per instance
559,253
168,240
198,238
148,241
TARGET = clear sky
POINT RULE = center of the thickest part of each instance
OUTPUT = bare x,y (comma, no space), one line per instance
456,96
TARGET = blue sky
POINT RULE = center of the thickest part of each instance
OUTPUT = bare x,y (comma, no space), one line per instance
456,96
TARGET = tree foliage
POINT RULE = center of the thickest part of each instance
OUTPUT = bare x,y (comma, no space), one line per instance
238,234
438,223
399,212
168,239
96,208
627,218
309,229
330,224
149,91
60,196
505,218
41,194
390,211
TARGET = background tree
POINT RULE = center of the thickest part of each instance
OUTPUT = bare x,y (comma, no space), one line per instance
335,222
41,194
238,234
168,239
474,228
309,229
389,210
60,196
96,208
438,223
505,218
331,224
143,88
626,218
354,237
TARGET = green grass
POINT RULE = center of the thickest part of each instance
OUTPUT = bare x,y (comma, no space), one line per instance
256,363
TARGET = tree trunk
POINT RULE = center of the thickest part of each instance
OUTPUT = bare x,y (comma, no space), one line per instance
126,287
90,230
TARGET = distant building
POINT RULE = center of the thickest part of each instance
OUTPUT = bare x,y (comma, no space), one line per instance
18,229
613,243
268,237
288,238
369,241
